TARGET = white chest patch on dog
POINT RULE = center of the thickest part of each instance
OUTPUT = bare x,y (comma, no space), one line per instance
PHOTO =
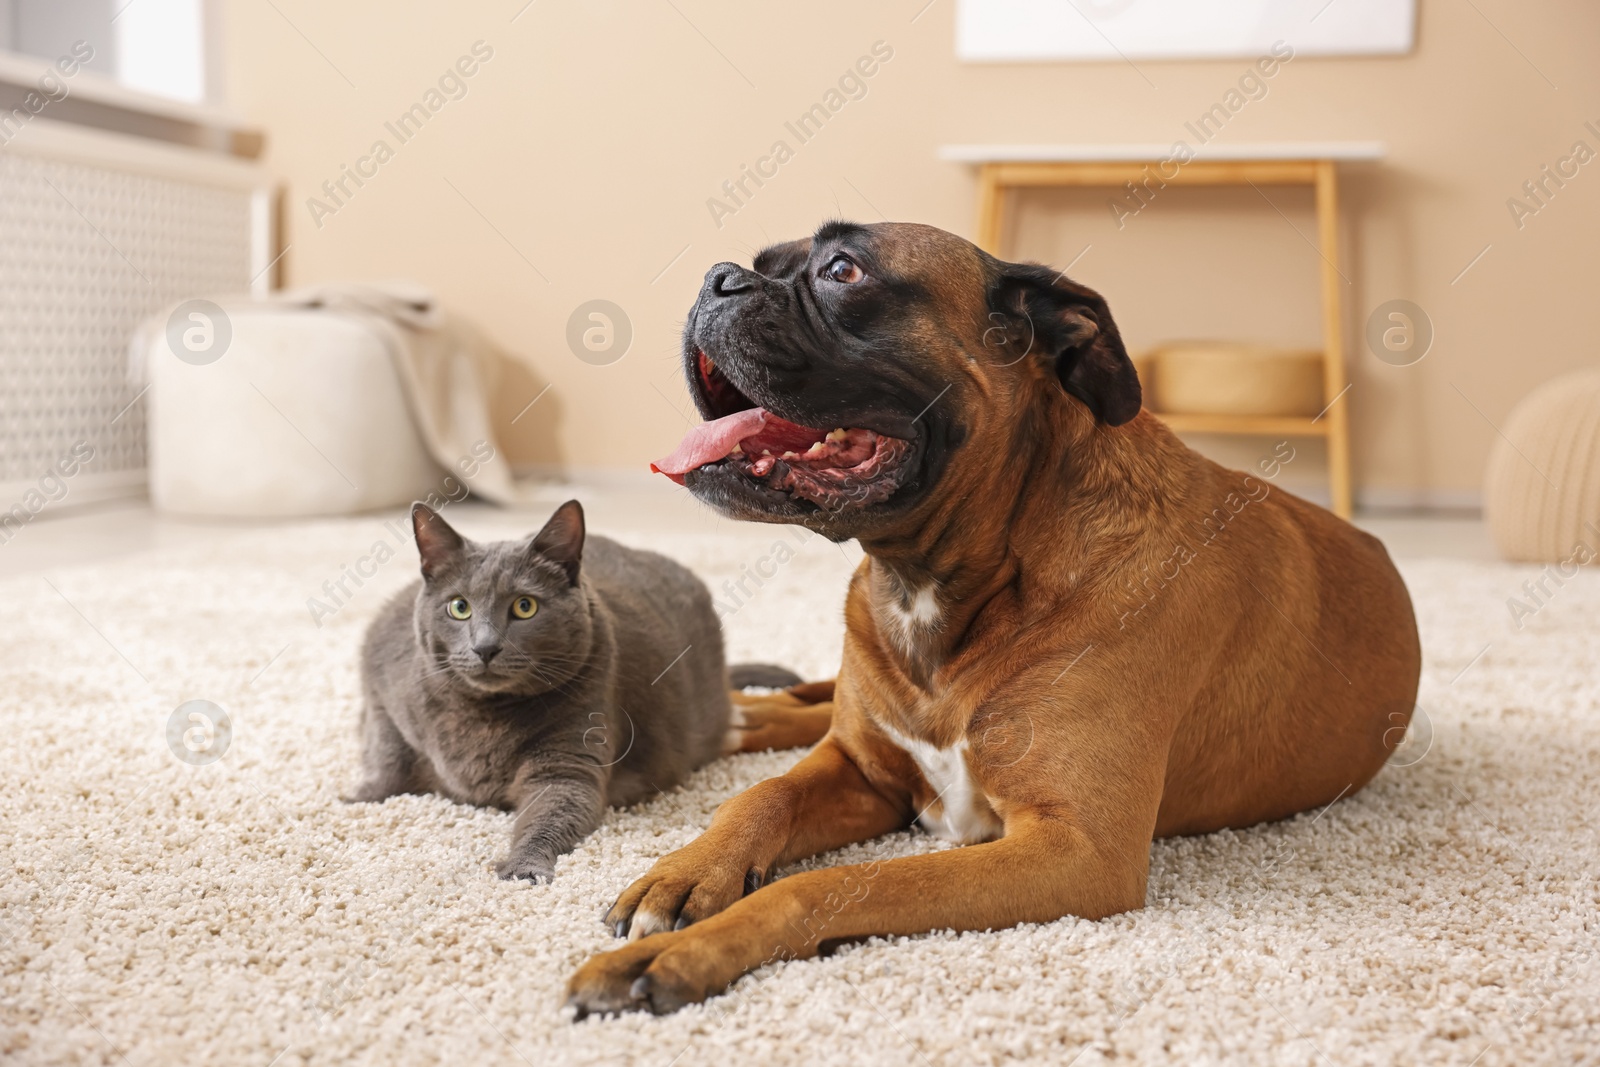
960,811
922,612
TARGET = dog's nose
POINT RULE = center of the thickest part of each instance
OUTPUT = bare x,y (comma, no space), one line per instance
486,652
728,279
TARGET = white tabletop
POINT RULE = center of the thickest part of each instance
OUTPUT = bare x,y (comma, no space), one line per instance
1349,151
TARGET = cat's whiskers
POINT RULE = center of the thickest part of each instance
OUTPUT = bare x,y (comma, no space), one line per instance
441,672
556,672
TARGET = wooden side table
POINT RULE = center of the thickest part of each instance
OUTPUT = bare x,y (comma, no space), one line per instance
1002,168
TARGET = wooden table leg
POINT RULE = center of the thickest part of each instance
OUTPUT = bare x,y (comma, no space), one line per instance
1334,381
991,209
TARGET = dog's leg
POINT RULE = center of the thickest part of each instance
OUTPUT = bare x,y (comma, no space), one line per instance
812,692
794,718
1078,816
823,802
1044,868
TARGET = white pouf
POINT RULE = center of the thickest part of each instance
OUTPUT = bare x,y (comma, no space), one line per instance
1557,433
303,414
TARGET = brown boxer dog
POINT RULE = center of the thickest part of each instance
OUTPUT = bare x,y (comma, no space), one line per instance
1071,633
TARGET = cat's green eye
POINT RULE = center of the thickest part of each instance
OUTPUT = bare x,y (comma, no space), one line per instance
459,608
524,606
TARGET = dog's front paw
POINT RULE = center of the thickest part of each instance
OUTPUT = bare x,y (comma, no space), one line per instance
685,886
540,870
659,975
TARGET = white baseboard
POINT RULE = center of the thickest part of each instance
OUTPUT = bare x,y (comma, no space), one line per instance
1393,500
24,502
1455,502
87,487
631,478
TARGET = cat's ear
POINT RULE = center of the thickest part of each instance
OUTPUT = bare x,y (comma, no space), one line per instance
437,543
561,540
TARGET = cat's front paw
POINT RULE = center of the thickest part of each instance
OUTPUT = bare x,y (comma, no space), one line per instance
372,793
539,870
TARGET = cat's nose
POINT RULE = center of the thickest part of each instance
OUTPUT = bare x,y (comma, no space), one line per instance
486,652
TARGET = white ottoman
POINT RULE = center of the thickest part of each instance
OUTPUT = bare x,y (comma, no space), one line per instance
1557,433
302,414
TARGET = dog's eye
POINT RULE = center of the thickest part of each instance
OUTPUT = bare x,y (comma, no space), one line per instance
843,271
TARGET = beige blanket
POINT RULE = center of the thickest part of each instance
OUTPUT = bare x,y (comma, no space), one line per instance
448,367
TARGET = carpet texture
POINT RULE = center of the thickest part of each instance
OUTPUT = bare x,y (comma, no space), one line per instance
154,911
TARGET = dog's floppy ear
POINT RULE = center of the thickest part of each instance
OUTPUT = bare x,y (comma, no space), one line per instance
1071,324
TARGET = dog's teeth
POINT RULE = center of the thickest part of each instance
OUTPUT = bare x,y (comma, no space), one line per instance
737,450
816,449
765,452
836,436
790,455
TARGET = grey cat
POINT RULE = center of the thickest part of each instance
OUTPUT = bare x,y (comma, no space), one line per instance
550,677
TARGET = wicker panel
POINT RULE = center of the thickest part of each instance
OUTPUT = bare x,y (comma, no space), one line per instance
86,252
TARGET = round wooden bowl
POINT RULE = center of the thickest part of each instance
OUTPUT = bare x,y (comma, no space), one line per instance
1219,378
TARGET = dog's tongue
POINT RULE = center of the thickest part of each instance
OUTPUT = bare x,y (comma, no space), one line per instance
710,441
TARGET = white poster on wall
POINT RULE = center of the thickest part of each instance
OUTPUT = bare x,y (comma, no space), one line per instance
991,31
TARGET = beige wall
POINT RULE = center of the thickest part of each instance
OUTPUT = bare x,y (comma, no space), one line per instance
592,139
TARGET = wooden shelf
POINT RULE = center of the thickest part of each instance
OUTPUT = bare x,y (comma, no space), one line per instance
1238,152
1267,425
1003,169
1199,172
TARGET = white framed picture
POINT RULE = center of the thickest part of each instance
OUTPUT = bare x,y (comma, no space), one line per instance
997,31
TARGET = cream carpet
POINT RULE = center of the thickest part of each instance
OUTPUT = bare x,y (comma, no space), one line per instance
155,912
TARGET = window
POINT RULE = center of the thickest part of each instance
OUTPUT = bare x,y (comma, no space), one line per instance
154,46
